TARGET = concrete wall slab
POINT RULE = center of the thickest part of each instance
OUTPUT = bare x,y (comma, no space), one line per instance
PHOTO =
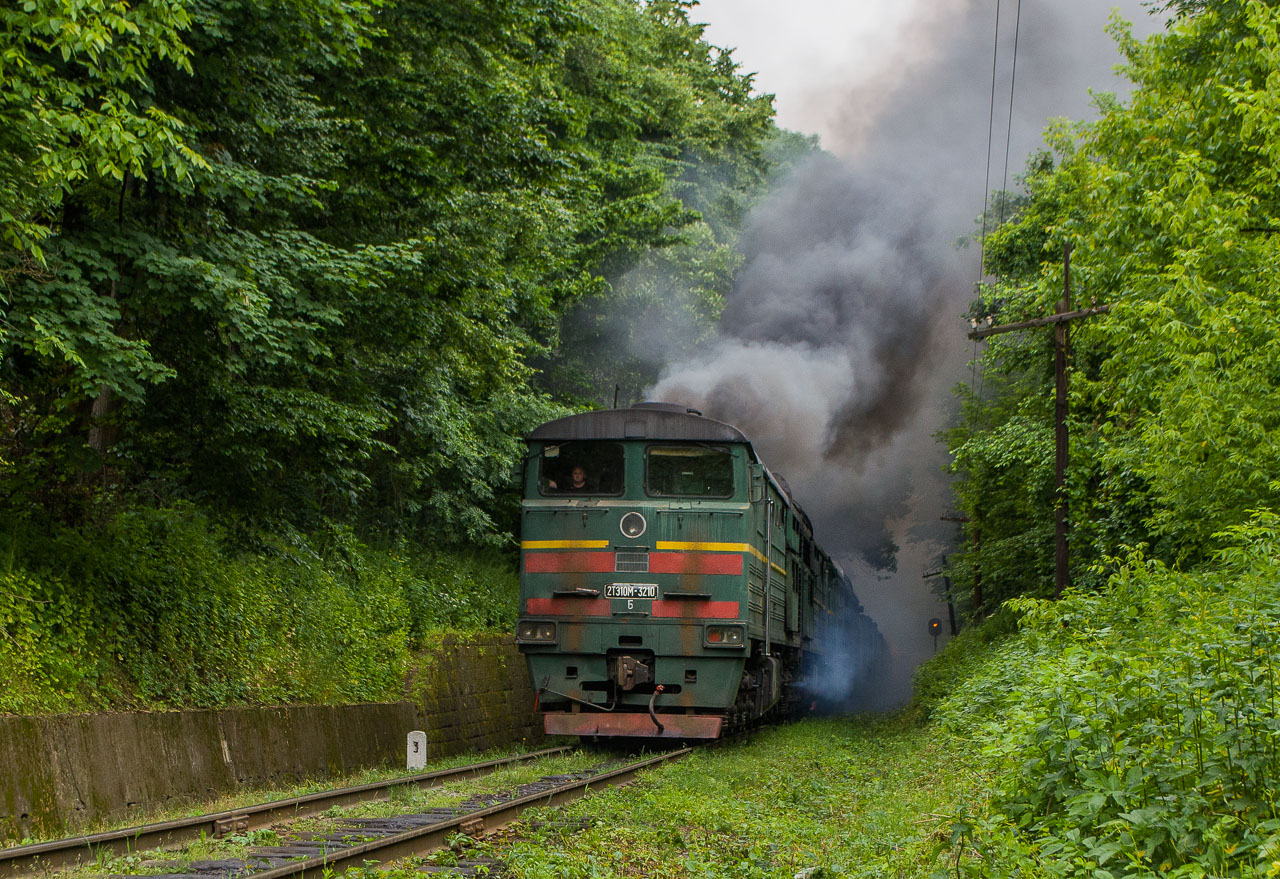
60,774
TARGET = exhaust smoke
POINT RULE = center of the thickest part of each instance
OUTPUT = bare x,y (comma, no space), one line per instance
842,338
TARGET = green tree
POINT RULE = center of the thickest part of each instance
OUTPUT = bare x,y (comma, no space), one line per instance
709,149
330,311
75,107
1168,202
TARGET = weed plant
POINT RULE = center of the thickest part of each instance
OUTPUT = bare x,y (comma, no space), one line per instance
255,796
402,801
1133,732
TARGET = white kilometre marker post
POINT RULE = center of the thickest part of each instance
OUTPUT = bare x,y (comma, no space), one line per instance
416,750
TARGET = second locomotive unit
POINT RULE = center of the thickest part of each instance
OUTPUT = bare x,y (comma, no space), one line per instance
669,584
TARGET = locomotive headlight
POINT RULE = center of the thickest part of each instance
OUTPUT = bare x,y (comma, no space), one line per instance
724,636
535,632
632,525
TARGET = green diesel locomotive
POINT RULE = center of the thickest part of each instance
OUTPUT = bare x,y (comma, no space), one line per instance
669,584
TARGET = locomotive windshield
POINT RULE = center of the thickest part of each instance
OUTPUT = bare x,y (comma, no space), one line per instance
688,471
580,468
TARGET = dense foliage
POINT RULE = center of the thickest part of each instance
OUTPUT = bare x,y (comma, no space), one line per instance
292,259
1131,728
273,271
1169,202
160,609
1130,732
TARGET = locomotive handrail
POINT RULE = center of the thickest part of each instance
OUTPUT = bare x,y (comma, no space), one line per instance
768,586
680,511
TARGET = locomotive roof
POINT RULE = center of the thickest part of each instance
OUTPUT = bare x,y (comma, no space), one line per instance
654,421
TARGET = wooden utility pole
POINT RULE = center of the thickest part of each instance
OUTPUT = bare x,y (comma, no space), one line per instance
1060,321
977,570
1061,348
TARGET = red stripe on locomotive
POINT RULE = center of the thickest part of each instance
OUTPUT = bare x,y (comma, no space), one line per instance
568,562
570,607
697,610
695,563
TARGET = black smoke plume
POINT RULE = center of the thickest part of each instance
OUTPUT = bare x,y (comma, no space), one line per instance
829,343
843,335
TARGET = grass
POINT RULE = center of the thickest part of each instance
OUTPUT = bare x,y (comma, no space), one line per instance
862,796
854,796
408,801
857,796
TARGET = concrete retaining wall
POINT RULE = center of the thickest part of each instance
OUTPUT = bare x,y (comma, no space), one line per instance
475,690
62,773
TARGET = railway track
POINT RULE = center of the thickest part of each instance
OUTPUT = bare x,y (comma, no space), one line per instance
64,853
352,842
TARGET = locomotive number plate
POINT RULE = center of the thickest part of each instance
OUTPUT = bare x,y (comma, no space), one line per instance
631,590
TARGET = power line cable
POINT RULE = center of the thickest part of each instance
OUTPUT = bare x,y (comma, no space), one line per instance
1008,136
991,121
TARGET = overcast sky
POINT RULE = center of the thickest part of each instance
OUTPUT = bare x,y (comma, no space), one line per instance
812,53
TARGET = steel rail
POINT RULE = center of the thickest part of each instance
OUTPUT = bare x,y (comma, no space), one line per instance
421,840
65,853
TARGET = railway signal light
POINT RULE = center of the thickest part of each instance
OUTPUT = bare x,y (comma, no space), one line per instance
935,629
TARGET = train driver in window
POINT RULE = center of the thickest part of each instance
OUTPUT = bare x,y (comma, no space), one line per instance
577,480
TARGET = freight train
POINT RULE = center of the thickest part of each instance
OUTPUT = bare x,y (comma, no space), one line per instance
670,586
